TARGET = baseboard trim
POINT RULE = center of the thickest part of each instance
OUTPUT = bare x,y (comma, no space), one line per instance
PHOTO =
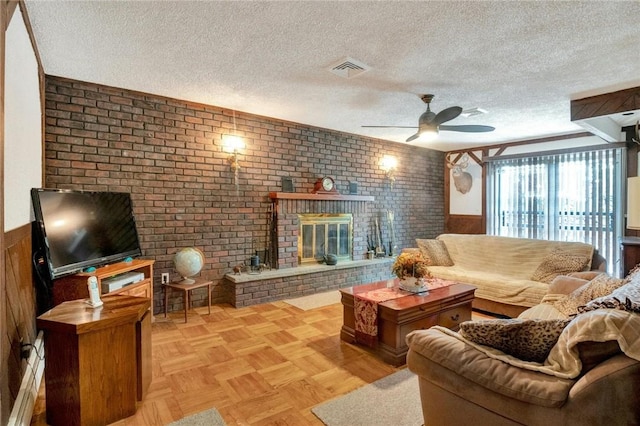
26,399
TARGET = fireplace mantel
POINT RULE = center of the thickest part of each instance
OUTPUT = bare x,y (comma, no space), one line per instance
318,197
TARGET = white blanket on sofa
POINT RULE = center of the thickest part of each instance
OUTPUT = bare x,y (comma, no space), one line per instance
601,325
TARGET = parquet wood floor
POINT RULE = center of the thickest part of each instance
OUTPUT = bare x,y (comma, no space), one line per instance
267,364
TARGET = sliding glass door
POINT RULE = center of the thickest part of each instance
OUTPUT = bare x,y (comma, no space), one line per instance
564,196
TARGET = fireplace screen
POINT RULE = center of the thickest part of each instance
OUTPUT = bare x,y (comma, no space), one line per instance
322,234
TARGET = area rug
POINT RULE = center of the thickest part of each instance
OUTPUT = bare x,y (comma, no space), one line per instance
317,300
204,418
393,400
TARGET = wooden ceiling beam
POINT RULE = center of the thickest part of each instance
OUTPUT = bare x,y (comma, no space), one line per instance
608,103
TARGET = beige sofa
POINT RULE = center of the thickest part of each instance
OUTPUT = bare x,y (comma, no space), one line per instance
585,380
502,268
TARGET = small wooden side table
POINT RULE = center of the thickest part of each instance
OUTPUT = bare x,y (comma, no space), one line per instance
186,288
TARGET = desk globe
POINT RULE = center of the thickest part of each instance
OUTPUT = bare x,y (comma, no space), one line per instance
188,262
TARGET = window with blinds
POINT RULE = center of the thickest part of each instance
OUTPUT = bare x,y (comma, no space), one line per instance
563,196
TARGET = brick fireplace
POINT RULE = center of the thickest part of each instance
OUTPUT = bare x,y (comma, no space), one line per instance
291,278
288,208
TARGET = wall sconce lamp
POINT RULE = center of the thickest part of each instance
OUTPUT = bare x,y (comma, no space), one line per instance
389,164
633,202
232,144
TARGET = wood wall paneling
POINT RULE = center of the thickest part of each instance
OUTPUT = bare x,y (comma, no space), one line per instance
20,309
464,224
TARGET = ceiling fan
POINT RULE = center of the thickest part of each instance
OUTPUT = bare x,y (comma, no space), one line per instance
430,123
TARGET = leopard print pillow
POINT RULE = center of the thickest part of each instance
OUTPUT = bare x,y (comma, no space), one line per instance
525,339
601,285
626,298
435,251
558,263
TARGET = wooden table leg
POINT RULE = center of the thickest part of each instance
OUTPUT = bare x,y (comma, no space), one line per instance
209,298
186,304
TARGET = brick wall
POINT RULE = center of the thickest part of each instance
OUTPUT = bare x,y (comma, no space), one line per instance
167,154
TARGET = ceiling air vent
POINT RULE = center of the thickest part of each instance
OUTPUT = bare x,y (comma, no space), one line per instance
349,68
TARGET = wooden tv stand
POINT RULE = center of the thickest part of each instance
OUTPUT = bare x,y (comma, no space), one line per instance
73,287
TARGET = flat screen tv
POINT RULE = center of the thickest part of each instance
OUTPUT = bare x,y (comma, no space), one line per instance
80,229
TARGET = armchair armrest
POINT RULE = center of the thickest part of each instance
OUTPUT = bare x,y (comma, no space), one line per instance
586,275
565,284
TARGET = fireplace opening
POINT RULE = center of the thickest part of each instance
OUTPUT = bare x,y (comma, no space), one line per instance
322,234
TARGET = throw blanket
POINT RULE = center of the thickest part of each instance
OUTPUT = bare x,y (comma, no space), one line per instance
365,306
601,325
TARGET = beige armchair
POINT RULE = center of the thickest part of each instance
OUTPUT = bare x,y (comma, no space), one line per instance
464,383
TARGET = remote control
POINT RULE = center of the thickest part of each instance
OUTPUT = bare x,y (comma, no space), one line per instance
94,292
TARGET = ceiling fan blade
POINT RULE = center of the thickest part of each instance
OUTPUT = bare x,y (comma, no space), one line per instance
447,114
416,136
393,127
471,128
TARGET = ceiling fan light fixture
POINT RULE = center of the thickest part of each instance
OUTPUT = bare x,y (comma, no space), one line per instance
428,135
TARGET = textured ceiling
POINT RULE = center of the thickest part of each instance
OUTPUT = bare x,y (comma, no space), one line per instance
522,62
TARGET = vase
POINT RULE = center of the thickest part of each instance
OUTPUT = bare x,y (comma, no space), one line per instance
413,284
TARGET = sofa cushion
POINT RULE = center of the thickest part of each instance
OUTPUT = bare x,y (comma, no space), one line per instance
495,286
435,251
559,262
525,339
601,285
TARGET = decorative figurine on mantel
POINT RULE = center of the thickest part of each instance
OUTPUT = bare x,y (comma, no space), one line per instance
371,248
381,251
392,236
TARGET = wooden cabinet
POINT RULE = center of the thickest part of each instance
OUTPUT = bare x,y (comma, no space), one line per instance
394,324
98,360
74,286
630,254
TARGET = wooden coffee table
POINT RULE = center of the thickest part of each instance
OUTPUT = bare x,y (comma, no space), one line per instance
446,306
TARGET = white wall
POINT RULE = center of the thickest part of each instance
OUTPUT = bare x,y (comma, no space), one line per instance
23,125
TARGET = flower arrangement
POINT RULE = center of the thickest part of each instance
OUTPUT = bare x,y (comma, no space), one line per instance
411,264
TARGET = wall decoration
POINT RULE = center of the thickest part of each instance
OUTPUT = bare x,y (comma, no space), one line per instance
469,202
462,179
